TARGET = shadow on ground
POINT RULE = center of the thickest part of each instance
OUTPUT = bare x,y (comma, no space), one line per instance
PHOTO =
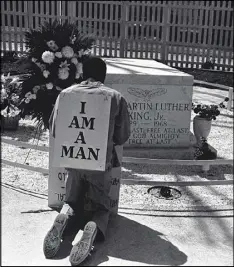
135,171
131,241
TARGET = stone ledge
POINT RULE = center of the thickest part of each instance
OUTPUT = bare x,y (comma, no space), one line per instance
160,153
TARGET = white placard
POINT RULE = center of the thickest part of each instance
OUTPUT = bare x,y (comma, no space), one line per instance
56,182
57,176
82,126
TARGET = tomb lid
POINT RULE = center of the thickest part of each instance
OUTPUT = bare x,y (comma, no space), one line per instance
143,71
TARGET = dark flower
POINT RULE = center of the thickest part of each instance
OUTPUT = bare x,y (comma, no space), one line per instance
208,111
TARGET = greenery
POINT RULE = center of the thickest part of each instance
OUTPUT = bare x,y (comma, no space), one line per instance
208,112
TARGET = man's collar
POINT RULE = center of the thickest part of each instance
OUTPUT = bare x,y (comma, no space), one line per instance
91,82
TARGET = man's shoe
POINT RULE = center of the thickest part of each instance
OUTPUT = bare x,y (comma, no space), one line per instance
82,249
52,239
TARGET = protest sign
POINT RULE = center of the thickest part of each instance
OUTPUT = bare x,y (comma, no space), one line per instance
82,126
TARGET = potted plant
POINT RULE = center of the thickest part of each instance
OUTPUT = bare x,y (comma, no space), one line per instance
202,121
9,102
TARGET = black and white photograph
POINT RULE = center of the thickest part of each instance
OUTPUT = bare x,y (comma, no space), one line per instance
117,133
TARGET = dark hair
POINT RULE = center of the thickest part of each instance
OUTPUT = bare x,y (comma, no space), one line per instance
95,68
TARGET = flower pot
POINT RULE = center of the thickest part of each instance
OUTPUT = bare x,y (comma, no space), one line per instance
201,128
10,123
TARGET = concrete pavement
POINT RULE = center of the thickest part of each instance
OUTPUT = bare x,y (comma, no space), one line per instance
155,239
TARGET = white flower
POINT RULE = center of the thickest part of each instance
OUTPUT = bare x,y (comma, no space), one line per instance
48,57
4,112
58,54
67,52
36,89
28,94
3,93
14,97
2,78
5,78
46,73
73,39
52,45
49,86
33,96
13,111
63,74
74,61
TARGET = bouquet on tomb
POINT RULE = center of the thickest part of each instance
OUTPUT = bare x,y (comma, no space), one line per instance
56,52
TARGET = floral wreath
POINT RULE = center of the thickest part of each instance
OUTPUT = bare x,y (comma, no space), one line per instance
56,52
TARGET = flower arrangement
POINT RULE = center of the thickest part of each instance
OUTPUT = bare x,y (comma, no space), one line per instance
209,112
10,87
56,51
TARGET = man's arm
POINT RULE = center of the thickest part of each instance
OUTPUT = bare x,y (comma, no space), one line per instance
122,124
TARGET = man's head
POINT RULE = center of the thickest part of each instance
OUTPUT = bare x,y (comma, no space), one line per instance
94,68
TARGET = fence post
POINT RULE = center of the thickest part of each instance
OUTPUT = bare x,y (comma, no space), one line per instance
230,101
165,33
30,14
123,26
210,30
71,11
59,10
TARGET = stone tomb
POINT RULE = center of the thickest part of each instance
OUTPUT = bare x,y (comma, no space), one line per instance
159,101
